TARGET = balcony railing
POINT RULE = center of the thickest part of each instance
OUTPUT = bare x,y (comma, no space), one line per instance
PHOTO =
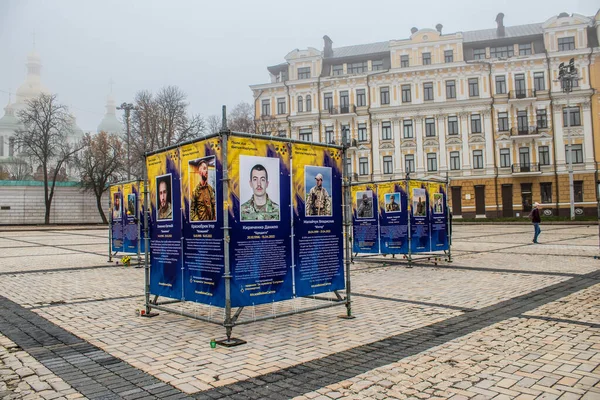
523,130
347,109
521,94
529,167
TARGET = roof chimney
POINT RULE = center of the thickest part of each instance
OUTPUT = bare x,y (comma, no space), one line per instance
327,47
439,27
413,30
500,21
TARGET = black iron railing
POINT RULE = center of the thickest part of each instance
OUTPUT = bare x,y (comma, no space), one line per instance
528,167
523,130
521,94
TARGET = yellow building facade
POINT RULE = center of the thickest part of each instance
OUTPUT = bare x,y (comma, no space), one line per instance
484,108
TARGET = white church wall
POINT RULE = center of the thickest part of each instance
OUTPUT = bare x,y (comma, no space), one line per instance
24,204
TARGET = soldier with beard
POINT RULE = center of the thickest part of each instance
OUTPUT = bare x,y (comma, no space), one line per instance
203,204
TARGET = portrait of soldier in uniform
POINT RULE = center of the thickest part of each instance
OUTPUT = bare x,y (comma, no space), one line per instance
419,206
117,205
165,209
260,207
364,204
318,199
202,200
438,207
391,205
131,204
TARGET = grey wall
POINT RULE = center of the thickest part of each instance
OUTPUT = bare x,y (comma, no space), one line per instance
69,206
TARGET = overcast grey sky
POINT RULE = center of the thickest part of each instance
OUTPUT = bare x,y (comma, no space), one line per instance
212,50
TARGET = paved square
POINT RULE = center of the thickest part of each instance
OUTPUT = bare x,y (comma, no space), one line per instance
505,319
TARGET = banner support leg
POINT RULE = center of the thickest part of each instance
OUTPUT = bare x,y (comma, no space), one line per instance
347,224
229,322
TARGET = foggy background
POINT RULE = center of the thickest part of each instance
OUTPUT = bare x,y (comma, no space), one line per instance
211,50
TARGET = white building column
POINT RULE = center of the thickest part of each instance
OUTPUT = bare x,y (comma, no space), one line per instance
588,143
464,133
397,135
375,145
489,141
441,128
420,153
559,137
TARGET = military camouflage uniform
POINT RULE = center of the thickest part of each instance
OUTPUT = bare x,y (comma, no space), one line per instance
251,212
203,204
166,213
318,201
365,210
392,207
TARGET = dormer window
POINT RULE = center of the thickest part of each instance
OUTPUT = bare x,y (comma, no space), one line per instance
525,49
337,69
479,54
358,67
377,65
304,73
502,52
566,43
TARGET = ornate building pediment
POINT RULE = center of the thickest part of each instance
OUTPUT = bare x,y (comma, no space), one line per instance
386,145
453,141
476,139
408,144
431,143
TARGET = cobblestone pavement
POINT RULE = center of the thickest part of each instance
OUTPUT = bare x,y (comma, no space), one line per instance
505,319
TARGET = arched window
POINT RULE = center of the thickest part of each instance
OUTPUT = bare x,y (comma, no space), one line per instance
308,103
300,104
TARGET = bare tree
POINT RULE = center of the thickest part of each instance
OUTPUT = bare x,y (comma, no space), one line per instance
44,139
15,169
268,125
241,118
100,162
161,121
213,124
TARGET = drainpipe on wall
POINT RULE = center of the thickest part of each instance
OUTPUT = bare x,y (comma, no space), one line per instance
287,116
319,102
255,107
553,135
593,136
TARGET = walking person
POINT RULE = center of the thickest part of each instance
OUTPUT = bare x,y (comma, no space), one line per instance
535,220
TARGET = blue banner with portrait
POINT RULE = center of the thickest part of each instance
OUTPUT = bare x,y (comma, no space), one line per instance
419,216
439,216
165,244
116,217
393,217
130,218
365,221
260,251
318,216
202,210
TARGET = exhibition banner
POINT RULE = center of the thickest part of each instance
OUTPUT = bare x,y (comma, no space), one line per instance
439,216
419,216
165,246
130,218
393,217
116,210
317,209
365,219
259,207
202,210
139,194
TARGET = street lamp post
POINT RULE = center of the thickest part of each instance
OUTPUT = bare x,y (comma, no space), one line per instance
127,107
567,74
